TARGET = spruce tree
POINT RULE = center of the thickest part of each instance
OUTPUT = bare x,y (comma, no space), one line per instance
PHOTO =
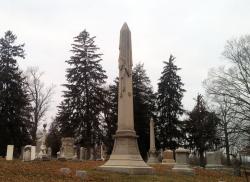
14,102
80,113
111,115
144,107
170,94
201,129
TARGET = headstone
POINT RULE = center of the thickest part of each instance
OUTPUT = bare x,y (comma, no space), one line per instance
81,154
49,153
126,156
65,171
214,160
91,153
80,173
168,157
33,153
153,159
182,164
27,153
67,148
85,154
9,155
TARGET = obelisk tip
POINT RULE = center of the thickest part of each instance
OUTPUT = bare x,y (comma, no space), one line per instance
125,26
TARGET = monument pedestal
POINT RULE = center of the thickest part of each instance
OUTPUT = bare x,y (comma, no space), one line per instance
214,160
168,158
125,156
153,159
182,165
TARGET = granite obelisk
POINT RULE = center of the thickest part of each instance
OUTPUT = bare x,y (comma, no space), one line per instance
126,156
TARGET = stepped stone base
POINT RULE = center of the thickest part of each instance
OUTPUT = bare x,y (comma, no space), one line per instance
153,159
125,157
214,166
169,162
183,168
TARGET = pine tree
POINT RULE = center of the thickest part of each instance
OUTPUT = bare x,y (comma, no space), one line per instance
111,115
170,94
144,107
201,129
14,103
80,113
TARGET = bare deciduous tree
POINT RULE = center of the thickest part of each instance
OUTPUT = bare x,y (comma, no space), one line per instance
40,97
230,89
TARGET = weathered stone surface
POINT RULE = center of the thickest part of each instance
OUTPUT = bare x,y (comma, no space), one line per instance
168,157
67,148
81,174
182,165
125,156
65,171
27,153
9,155
214,160
152,151
33,153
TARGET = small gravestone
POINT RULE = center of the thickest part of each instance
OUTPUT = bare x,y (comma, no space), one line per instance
182,164
214,160
27,153
91,153
168,157
85,154
9,155
67,148
49,153
81,154
81,174
33,153
65,171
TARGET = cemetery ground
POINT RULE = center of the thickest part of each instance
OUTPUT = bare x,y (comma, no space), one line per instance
48,171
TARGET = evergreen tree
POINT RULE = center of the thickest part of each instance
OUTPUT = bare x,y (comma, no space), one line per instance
201,129
14,103
111,115
144,107
170,94
80,113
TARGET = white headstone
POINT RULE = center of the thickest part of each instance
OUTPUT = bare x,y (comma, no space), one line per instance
27,153
214,160
10,149
33,153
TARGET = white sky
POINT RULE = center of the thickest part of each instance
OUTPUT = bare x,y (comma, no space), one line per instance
194,31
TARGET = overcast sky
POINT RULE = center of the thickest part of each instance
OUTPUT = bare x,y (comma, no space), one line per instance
194,31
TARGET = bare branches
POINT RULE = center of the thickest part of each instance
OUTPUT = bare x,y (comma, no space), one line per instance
40,97
229,90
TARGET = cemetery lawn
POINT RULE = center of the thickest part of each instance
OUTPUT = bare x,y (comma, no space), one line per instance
37,171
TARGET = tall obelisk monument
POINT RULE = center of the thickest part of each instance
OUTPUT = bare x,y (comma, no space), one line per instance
126,156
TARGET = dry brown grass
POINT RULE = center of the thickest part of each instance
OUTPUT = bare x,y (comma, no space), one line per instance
37,171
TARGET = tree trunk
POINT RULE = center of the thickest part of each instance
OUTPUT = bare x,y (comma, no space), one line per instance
227,145
202,159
